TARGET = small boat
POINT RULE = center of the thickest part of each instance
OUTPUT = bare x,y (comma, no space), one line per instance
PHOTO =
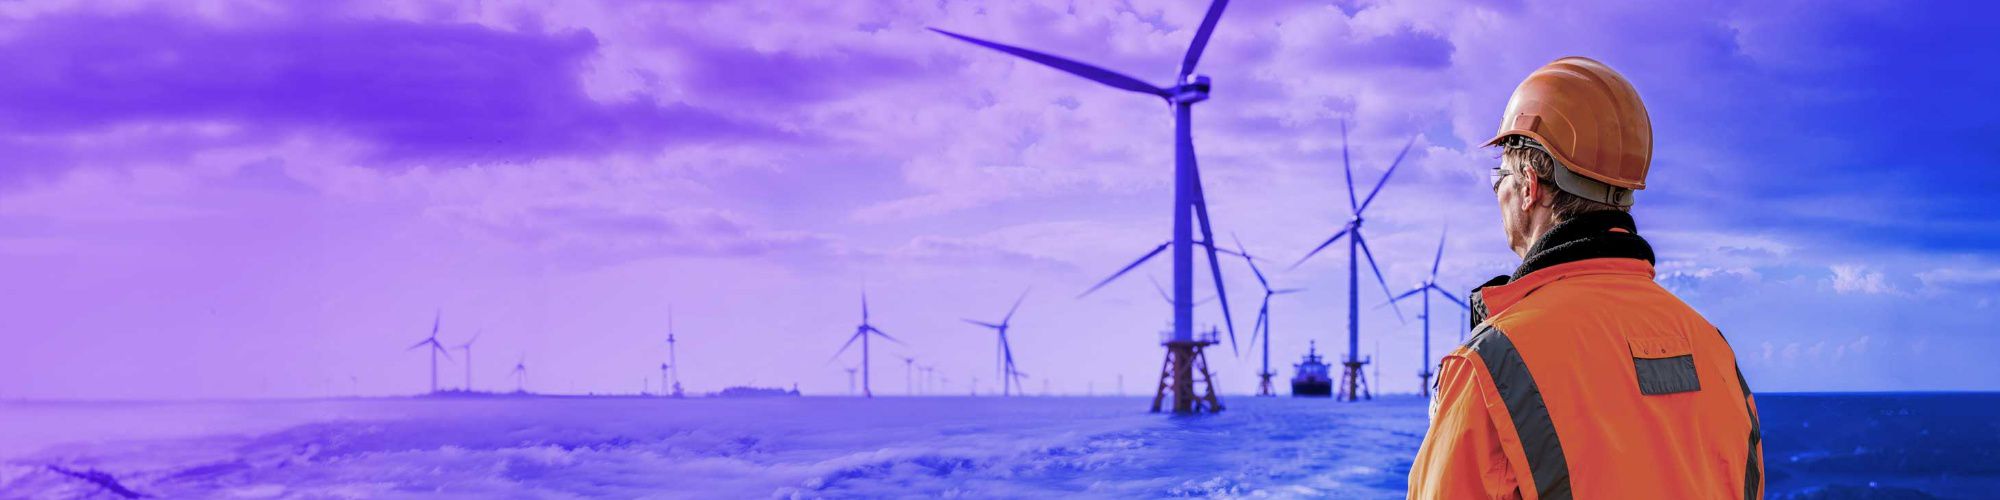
1311,380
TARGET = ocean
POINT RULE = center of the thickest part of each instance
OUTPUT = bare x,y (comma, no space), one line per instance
1817,446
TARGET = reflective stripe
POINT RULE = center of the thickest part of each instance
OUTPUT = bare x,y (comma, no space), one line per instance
1531,416
1753,472
1666,375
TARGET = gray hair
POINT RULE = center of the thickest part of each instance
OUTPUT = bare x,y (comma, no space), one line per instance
1534,159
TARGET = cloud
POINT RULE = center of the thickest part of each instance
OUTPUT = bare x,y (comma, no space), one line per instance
1855,279
1953,277
445,92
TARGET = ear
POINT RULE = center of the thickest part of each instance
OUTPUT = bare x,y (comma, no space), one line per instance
1532,193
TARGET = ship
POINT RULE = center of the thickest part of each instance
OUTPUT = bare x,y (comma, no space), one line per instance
1311,379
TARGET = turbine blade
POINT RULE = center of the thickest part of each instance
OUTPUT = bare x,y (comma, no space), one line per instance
1378,273
1253,263
878,331
1096,74
864,305
1214,264
843,347
1128,267
1439,259
1287,290
1407,295
1323,245
1385,175
1448,296
1163,291
1224,251
419,343
983,323
441,350
1348,166
1017,306
1263,318
1201,36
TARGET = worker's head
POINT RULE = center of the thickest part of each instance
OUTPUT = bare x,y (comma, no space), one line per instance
1575,138
1530,202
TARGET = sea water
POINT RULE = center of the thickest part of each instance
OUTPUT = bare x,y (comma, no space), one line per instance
1817,446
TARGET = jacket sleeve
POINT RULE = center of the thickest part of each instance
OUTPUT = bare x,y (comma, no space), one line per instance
1461,455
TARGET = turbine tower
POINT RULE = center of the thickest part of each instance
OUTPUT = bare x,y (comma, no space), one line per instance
862,333
1352,387
436,348
1003,354
1263,323
1184,349
467,349
1425,289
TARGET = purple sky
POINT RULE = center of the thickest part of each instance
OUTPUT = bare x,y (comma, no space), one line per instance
241,199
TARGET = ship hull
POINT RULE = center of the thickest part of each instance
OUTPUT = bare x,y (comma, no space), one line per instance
1312,388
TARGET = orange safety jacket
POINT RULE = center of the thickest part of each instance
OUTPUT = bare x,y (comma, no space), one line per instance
1585,379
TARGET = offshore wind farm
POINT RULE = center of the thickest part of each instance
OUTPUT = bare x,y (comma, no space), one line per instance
863,250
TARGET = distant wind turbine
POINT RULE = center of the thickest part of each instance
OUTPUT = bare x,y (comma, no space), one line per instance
467,349
1357,245
1263,324
909,375
521,375
436,349
673,362
1425,289
862,333
1004,354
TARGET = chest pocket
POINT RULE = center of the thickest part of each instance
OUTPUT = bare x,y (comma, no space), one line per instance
1664,365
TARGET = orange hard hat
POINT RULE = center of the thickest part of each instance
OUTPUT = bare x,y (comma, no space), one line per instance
1590,119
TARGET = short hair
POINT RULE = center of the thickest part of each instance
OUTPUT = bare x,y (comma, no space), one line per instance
1526,152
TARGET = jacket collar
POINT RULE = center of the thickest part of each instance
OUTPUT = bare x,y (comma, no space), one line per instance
1590,243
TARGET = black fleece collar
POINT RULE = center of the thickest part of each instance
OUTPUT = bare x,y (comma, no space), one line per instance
1588,235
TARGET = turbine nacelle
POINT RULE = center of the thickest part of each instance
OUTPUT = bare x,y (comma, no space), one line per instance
1191,90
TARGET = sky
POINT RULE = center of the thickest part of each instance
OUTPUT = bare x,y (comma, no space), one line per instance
223,199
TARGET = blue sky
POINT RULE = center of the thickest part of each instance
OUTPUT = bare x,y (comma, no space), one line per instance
233,199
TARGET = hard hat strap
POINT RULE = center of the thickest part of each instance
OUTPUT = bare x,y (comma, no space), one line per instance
1572,183
1590,189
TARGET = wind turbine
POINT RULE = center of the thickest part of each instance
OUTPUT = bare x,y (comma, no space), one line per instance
1425,289
909,375
1184,349
1263,324
1004,355
672,363
862,333
467,349
436,348
850,381
521,375
1356,247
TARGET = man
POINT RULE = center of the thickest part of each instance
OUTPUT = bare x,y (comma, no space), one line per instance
1583,377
